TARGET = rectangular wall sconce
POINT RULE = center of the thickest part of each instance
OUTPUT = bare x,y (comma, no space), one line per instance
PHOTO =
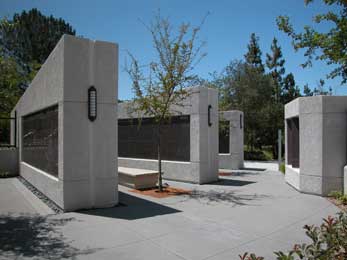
92,103
209,115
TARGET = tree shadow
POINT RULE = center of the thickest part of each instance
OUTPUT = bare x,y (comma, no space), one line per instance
230,197
132,207
35,236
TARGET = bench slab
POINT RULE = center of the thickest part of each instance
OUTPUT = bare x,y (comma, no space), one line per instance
137,178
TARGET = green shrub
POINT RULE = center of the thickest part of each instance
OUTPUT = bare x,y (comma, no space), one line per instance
336,194
329,241
282,168
343,200
255,156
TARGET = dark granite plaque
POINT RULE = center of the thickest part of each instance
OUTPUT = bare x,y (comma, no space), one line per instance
139,139
293,142
224,136
40,140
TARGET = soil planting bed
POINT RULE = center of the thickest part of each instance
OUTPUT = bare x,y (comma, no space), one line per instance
167,192
225,173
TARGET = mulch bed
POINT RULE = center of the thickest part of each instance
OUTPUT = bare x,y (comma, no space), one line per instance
337,203
225,173
167,192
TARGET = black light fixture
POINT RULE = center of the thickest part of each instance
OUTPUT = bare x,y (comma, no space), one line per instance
241,122
92,102
209,115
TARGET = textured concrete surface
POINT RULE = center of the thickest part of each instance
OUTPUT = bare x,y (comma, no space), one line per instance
137,178
323,138
252,211
86,150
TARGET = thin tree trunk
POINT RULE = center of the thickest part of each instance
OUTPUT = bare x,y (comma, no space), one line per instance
160,179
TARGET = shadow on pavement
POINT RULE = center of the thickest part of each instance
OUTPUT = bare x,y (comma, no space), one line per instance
253,169
132,207
35,236
230,182
232,197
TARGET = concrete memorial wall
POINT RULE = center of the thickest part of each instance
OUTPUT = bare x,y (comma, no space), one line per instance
68,146
191,149
315,143
231,150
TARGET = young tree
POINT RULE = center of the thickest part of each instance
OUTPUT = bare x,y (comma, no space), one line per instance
165,84
253,55
328,46
275,64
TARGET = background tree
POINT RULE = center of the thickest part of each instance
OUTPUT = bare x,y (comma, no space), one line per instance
253,55
30,37
165,84
321,89
290,90
10,79
329,46
307,91
275,64
26,40
246,88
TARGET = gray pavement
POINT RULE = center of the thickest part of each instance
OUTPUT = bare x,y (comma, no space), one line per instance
253,211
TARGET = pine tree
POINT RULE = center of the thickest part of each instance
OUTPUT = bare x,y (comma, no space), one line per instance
275,64
307,91
290,90
253,55
31,36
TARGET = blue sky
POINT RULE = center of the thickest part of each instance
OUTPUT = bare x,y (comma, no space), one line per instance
226,30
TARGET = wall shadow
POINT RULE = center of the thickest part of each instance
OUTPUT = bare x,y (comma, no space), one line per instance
131,208
253,169
35,236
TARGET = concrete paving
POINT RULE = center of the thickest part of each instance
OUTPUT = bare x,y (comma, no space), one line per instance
253,211
15,198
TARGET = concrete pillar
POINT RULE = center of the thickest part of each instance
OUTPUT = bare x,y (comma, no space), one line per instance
87,150
235,158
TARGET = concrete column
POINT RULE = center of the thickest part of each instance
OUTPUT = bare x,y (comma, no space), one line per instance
235,158
87,150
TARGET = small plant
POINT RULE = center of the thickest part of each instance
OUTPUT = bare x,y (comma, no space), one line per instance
329,241
335,194
5,174
247,256
339,196
282,168
343,200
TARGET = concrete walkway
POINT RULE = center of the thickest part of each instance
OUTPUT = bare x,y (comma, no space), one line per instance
15,198
252,211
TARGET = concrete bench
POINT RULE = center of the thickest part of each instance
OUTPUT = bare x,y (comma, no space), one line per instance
137,178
